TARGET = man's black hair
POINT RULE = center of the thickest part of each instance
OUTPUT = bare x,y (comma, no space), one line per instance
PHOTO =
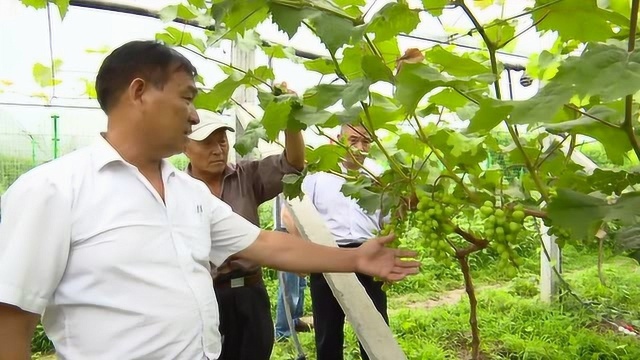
148,60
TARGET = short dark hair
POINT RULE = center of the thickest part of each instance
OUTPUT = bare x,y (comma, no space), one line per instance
148,60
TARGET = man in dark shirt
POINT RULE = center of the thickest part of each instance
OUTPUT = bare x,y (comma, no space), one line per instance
245,311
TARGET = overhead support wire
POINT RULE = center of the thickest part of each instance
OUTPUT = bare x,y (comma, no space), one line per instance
134,10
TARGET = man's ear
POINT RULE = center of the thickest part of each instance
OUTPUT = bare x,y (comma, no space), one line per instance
136,90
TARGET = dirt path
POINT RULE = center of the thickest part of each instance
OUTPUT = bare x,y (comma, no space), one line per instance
448,298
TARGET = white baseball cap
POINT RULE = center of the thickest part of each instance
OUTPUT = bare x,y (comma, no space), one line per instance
209,122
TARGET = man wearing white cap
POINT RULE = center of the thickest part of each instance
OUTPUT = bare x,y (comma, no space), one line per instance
245,310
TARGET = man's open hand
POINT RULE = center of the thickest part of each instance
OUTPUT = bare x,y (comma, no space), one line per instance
375,259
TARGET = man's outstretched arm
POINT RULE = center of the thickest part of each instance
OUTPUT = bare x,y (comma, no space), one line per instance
290,253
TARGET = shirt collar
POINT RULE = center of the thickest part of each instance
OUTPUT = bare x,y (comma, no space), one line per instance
104,154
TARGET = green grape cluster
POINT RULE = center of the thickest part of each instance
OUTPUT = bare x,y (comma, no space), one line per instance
563,236
501,227
433,218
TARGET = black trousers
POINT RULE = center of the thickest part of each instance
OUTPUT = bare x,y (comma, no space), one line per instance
245,323
328,317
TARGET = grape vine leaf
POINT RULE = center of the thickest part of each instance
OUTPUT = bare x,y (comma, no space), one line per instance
292,186
392,19
604,70
279,52
359,190
588,21
354,91
63,5
320,65
615,141
334,31
250,138
238,16
375,69
542,107
410,144
216,97
453,64
499,32
449,98
325,158
491,113
581,213
90,89
434,7
276,117
200,4
611,181
287,18
414,81
44,76
309,115
351,63
323,95
180,11
176,37
389,51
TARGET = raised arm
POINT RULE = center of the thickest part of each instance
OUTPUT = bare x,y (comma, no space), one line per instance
294,149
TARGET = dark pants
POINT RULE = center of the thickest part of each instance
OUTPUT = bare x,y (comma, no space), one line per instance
328,317
245,323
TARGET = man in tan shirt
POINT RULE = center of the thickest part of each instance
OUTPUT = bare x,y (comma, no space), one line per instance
245,310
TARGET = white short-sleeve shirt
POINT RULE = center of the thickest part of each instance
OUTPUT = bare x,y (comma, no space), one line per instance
117,272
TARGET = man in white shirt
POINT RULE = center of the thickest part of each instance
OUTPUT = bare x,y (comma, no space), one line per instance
112,244
351,226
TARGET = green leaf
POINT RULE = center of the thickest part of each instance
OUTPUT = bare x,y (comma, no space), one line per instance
393,19
172,12
581,213
220,94
44,76
389,50
90,89
355,91
611,181
259,75
491,113
375,69
359,190
292,186
410,144
542,107
434,7
603,70
334,31
250,138
63,7
384,111
348,116
287,18
176,37
323,95
248,41
200,4
414,81
321,65
453,64
280,52
615,141
449,98
275,118
499,32
36,4
582,20
325,158
351,63
238,16
309,115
